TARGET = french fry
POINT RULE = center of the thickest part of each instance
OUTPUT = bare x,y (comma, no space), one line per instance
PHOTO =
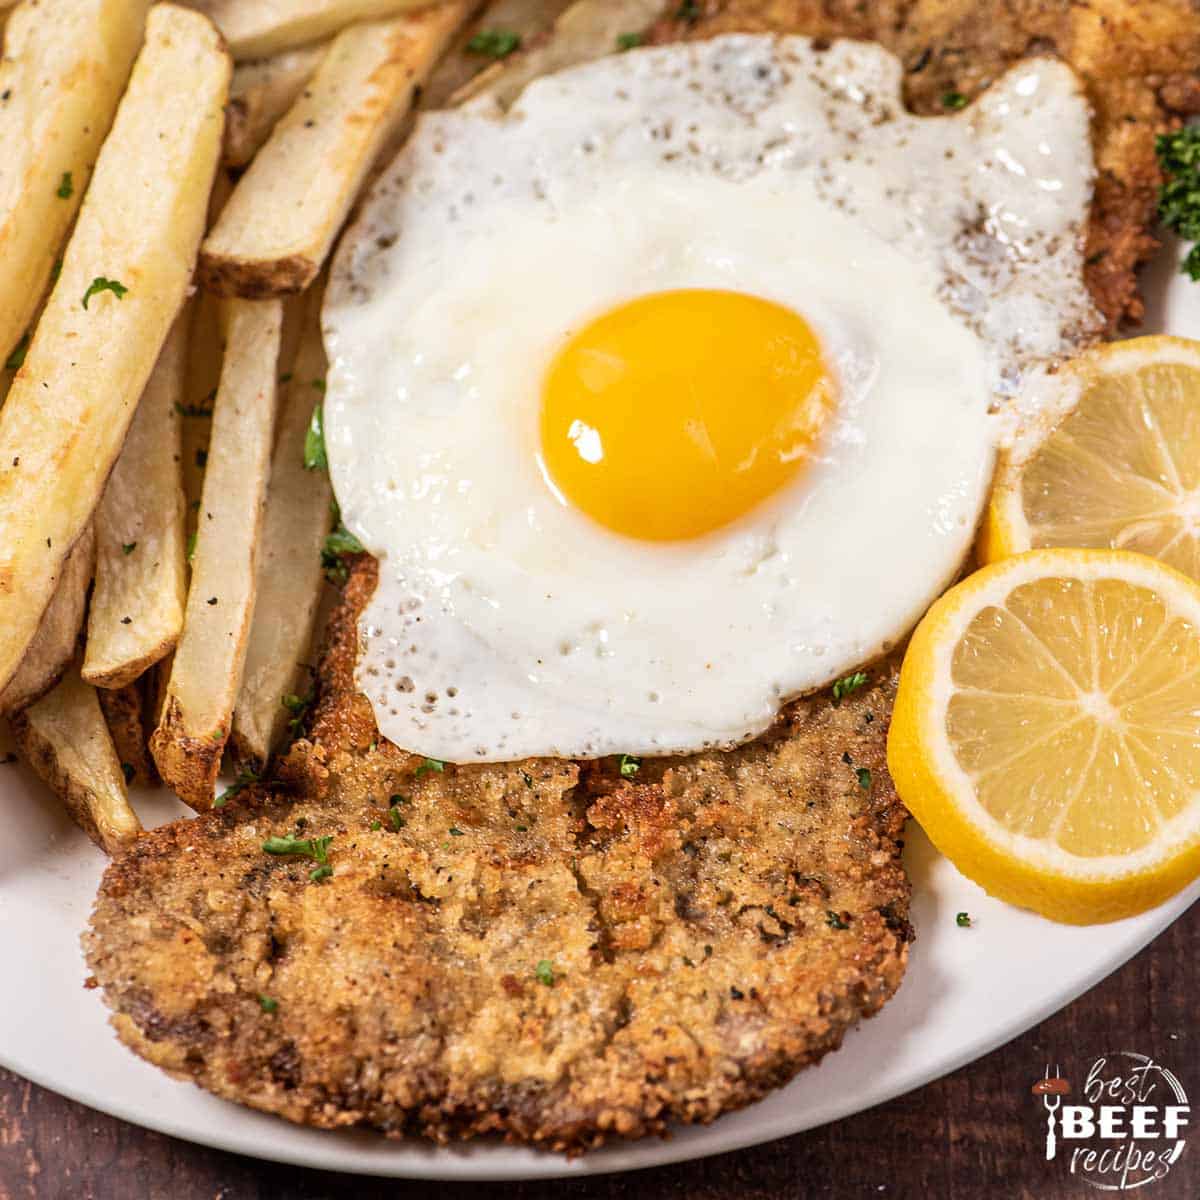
130,258
207,668
141,574
290,583
64,67
65,740
53,646
260,28
263,89
587,30
277,229
124,714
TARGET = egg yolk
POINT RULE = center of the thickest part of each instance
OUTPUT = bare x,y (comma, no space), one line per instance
676,413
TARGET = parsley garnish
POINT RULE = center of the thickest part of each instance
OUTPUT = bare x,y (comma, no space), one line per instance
430,764
963,920
628,41
953,101
340,541
834,920
864,778
456,832
397,821
315,848
56,270
1179,197
374,826
314,441
128,547
240,784
16,360
267,1004
66,189
495,43
191,545
298,706
847,686
100,284
545,972
630,765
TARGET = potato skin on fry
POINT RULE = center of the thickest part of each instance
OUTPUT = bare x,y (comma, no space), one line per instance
54,645
277,229
65,740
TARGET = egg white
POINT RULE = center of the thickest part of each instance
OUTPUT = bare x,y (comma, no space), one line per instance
935,268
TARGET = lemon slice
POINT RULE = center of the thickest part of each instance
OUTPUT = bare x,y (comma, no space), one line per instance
1121,470
1046,731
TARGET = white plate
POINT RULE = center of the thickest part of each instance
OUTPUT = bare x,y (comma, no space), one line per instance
966,992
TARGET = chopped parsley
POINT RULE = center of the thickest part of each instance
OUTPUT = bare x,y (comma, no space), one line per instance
1179,197
630,765
66,189
240,784
545,972
835,920
396,820
128,548
340,541
267,1004
100,284
318,385
315,848
16,360
314,441
456,832
298,706
430,764
191,545
963,920
628,41
375,826
953,101
848,686
56,270
495,43
864,778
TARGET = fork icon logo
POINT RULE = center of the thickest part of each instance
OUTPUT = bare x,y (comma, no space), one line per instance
1051,1088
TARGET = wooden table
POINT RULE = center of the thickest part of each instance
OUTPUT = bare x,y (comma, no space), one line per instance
975,1135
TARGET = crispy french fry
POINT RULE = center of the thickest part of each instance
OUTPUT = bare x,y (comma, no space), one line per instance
124,714
587,30
141,574
130,258
64,67
263,89
207,668
259,28
65,740
53,646
290,582
285,212
530,20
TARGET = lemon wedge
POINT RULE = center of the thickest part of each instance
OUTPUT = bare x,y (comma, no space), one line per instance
1120,470
1046,731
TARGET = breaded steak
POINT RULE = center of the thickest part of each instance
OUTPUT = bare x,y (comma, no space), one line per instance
1138,60
543,949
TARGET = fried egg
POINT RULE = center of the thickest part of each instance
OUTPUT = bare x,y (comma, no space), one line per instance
672,393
